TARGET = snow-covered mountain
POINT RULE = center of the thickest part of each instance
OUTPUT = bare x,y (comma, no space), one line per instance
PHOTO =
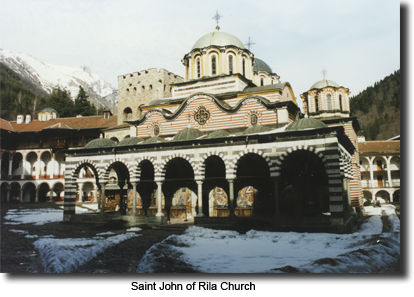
48,76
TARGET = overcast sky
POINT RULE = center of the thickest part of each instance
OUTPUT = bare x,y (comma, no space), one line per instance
357,42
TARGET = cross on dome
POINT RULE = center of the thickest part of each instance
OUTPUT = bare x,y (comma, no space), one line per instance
217,17
324,72
249,43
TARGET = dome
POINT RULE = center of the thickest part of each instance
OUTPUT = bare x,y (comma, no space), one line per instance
260,65
99,142
305,123
188,134
48,109
130,141
255,129
218,134
323,84
154,140
218,38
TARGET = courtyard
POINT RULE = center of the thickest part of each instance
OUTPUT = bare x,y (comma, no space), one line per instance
34,239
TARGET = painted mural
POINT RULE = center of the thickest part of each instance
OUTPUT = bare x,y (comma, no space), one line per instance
245,202
130,200
218,203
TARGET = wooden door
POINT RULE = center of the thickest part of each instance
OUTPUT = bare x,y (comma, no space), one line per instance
379,179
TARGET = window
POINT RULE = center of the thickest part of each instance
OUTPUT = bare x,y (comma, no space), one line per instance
244,67
340,102
316,104
261,81
213,66
198,68
230,64
329,101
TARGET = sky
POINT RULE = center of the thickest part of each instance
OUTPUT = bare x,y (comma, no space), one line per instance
356,42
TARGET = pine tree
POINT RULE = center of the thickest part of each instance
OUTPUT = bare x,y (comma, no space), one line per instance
82,105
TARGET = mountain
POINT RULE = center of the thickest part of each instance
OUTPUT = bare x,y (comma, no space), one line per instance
378,108
47,76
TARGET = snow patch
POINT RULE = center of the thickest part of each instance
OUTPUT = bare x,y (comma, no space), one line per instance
65,255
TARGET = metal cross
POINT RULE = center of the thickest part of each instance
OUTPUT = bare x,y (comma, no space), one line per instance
249,43
217,17
324,72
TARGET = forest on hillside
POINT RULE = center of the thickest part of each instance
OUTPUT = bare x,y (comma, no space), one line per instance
378,108
20,96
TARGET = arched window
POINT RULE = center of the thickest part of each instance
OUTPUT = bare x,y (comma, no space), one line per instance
261,81
244,67
198,68
230,64
329,101
213,65
316,104
340,102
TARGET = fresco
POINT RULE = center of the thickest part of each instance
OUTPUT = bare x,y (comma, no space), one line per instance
218,203
182,197
245,197
245,202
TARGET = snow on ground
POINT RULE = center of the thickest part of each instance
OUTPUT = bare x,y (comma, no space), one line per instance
41,216
213,251
33,216
65,255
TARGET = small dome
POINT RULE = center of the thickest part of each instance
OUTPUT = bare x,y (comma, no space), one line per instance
130,141
188,134
323,84
48,109
218,38
154,140
218,134
260,65
305,123
255,129
99,142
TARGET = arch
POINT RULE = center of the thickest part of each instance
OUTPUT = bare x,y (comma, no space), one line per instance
230,58
303,187
43,189
396,196
127,114
17,165
5,165
58,188
29,192
383,196
45,159
198,66
329,102
114,139
253,176
214,63
232,165
146,186
5,189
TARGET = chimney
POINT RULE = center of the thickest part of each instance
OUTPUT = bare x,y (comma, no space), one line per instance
20,119
28,118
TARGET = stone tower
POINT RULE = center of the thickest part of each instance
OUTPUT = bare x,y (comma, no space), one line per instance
140,88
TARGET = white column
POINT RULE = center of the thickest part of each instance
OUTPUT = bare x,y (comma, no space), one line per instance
38,168
231,196
200,198
102,197
159,200
389,171
23,167
134,198
10,167
371,173
52,160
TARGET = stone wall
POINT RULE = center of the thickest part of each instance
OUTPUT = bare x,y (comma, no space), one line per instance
140,88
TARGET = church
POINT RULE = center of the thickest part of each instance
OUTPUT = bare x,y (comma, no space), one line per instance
225,145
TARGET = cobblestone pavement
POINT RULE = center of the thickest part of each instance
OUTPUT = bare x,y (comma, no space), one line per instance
18,254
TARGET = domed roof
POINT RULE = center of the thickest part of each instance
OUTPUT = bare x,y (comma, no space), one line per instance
154,140
188,134
305,123
218,38
99,142
323,84
218,134
255,129
130,140
49,109
260,65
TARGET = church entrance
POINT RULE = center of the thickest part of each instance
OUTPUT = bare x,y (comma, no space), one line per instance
304,185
